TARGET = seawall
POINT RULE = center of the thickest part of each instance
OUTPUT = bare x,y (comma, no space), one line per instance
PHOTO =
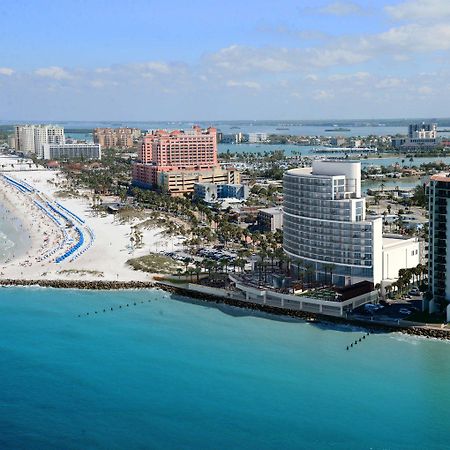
424,331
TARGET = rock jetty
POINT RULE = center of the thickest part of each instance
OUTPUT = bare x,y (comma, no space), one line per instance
80,284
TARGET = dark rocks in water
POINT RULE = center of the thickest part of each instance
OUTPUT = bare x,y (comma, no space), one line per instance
80,284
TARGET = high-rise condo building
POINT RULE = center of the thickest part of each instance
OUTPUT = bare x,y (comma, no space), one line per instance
422,131
255,138
327,233
175,161
31,138
439,243
421,136
24,136
116,137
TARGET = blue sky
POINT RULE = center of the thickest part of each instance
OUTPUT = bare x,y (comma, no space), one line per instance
199,60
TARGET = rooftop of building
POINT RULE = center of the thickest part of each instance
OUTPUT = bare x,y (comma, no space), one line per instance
215,184
272,210
445,177
195,131
392,240
327,165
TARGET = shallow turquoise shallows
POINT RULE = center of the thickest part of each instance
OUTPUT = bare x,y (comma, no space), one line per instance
173,374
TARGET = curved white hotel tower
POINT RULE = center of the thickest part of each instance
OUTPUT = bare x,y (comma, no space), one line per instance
325,225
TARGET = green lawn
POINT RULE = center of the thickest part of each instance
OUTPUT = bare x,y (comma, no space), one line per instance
155,263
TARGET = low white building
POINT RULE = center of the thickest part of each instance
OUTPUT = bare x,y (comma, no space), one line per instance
270,219
399,253
71,151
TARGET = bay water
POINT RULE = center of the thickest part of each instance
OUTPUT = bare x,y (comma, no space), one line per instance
167,372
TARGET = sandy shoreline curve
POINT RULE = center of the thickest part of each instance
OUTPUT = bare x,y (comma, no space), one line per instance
103,243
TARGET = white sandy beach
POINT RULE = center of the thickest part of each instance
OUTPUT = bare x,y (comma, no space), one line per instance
104,256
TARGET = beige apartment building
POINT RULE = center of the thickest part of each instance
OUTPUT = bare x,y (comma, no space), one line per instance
178,182
116,137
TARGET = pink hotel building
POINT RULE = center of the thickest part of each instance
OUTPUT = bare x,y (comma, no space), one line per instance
174,161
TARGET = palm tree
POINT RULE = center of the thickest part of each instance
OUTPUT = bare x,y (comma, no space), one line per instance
331,267
280,255
198,269
186,262
208,264
223,264
262,255
309,271
241,264
191,273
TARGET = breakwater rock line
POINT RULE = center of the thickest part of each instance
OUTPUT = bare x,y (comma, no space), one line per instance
103,285
414,330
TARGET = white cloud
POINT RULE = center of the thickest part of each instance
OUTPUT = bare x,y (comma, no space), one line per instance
341,8
425,90
243,84
154,67
350,76
247,59
98,84
341,54
102,70
322,95
420,10
389,82
6,71
54,72
417,38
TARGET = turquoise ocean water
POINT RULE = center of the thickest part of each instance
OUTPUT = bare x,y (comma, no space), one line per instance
169,374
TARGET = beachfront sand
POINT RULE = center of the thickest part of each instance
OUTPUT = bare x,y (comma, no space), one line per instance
110,249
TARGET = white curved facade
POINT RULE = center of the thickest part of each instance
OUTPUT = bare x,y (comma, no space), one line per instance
325,226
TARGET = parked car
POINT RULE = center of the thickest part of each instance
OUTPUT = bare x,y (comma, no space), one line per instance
404,311
369,307
414,291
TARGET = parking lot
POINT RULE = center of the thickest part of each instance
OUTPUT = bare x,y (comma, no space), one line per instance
391,310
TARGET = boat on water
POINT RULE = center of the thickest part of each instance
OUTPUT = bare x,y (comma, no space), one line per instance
338,129
282,128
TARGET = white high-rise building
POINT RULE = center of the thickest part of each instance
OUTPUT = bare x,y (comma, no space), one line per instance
40,138
326,231
254,138
31,138
47,134
24,136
